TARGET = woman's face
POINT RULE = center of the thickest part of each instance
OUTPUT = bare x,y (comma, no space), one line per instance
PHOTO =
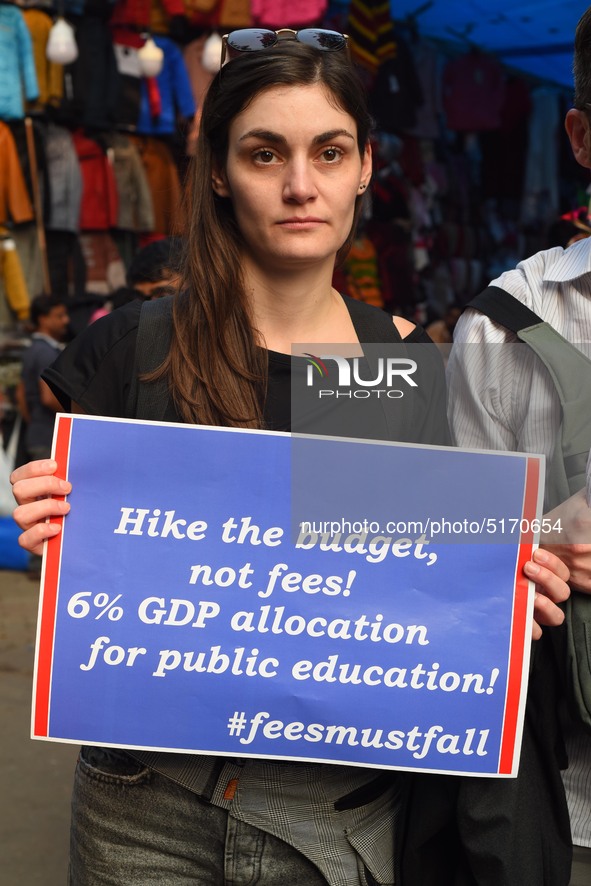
293,172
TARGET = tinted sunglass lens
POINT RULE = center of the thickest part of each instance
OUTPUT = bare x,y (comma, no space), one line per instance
328,41
251,39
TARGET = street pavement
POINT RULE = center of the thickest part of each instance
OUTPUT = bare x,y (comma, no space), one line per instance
35,776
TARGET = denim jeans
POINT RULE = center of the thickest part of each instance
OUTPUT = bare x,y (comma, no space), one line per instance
134,827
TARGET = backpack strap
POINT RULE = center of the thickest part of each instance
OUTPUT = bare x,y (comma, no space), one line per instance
372,325
376,327
150,400
570,371
500,306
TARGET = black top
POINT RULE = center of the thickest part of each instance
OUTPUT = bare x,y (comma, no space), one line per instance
96,369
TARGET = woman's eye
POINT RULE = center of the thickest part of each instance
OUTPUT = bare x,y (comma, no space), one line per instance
330,155
264,156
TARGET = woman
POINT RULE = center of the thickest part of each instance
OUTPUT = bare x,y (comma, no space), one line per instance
278,179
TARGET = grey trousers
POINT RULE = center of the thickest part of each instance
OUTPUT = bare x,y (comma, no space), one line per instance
134,827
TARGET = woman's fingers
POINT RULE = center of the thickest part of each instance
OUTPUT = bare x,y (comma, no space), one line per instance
32,539
36,480
30,490
34,469
39,496
26,515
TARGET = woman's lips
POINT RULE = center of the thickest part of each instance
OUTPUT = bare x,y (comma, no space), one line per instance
309,221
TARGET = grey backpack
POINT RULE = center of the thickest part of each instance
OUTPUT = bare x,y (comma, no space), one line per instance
570,371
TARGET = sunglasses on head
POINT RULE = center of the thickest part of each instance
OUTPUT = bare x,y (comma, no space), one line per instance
255,39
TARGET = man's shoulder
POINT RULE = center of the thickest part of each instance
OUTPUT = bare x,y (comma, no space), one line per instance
42,342
546,273
38,350
542,282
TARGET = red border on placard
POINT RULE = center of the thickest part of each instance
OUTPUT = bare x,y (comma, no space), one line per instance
47,615
520,609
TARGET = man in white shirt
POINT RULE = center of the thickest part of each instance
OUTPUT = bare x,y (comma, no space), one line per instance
502,398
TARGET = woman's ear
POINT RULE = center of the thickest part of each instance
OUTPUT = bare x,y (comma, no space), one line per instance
579,132
219,183
366,167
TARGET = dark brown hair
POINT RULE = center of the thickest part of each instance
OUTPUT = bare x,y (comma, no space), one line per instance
217,371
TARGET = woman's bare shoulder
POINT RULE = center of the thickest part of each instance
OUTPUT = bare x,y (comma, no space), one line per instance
404,327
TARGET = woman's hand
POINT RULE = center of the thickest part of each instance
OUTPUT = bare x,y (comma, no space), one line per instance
551,575
33,486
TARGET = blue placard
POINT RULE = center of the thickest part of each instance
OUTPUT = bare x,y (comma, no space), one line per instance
199,599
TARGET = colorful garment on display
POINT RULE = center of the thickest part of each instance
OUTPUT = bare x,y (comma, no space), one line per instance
18,77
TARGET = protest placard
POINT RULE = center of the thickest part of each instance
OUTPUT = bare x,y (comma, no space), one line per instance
189,604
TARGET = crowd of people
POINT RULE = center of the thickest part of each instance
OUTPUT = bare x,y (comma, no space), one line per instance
278,180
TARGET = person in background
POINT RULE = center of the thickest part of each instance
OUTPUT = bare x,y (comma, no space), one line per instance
155,270
34,399
37,404
442,331
500,399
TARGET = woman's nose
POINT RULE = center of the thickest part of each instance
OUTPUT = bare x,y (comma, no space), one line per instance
299,185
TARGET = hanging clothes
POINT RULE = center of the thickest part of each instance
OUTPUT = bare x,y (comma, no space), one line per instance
18,78
136,209
47,5
275,13
100,203
67,270
164,184
50,76
361,270
26,239
429,64
131,13
105,271
137,13
91,83
396,94
371,34
126,44
66,180
235,14
12,280
473,92
15,205
504,150
168,17
541,195
74,7
21,143
202,14
176,95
